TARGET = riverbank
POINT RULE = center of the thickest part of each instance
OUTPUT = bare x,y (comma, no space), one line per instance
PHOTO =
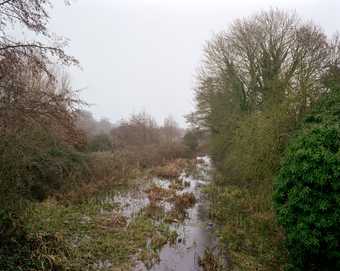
246,225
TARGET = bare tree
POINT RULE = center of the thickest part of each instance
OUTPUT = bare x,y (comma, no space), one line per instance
32,16
140,129
92,127
263,61
32,98
170,130
31,92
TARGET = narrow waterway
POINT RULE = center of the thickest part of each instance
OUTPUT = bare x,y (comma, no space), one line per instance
196,247
195,233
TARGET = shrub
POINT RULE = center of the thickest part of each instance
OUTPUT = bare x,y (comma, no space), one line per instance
108,166
20,250
191,140
34,165
153,154
307,199
257,145
101,142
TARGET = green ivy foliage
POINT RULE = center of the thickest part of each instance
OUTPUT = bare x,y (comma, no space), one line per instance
307,190
307,199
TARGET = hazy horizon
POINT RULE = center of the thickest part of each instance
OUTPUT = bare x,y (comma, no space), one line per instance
142,55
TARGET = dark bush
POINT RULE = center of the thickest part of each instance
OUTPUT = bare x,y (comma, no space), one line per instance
307,199
34,164
101,142
190,139
20,250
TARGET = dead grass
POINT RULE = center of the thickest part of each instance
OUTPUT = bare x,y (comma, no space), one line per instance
157,193
181,203
177,184
184,201
154,211
107,170
210,262
172,169
175,215
109,223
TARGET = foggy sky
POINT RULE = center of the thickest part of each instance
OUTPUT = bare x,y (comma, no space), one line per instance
143,54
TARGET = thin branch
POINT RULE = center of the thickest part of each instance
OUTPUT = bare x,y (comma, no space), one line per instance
5,2
8,47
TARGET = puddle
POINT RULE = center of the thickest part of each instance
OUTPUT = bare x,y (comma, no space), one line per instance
131,203
163,183
127,203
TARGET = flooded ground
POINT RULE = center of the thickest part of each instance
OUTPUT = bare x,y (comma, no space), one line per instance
195,233
156,221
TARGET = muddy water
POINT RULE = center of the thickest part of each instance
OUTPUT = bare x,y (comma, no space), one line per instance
195,234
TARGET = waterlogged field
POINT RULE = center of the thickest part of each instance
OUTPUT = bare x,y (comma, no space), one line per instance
157,222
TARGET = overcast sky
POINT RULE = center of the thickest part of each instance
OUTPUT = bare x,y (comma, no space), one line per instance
143,54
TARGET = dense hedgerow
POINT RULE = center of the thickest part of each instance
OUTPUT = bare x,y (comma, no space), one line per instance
307,190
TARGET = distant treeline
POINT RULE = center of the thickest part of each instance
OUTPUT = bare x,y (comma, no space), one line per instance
138,129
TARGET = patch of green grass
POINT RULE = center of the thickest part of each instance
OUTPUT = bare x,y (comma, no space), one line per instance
246,225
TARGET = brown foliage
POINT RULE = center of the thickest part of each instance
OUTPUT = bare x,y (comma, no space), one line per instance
31,93
106,169
28,97
172,169
157,194
184,201
141,129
